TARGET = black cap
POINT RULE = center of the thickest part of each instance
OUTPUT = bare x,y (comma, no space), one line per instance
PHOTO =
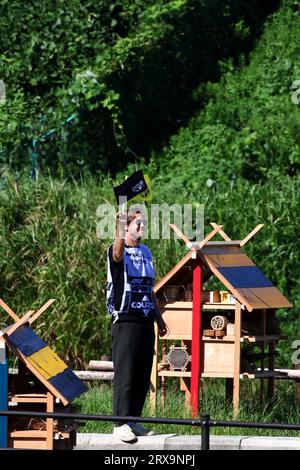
131,187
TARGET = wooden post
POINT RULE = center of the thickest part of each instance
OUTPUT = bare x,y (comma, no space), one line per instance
271,351
185,382
153,379
163,379
262,348
49,422
3,392
196,337
237,359
297,367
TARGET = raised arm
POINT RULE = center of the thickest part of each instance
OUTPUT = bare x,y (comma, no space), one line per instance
119,241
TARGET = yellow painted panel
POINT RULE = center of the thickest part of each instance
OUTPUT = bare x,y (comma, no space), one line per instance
47,362
264,297
238,259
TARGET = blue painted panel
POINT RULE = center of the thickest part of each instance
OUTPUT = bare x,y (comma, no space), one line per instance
3,393
68,384
245,277
26,340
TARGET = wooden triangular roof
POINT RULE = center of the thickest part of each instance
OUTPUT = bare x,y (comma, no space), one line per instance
42,362
239,274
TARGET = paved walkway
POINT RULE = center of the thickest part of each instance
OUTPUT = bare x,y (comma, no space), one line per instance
87,441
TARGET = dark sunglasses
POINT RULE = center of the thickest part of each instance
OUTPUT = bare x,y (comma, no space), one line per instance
139,222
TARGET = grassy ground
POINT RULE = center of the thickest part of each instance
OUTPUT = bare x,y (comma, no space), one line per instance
284,408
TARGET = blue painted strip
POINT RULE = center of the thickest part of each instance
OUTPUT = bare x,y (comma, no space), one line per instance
245,277
68,384
3,393
26,340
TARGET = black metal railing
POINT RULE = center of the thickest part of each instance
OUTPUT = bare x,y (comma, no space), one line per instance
203,422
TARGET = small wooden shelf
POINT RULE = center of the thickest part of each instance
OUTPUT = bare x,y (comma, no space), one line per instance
181,304
30,398
174,373
220,375
261,338
219,339
220,306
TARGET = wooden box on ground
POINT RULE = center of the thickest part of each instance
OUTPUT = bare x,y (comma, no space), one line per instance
44,383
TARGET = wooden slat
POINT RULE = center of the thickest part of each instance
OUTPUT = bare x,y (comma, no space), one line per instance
174,373
222,375
49,422
18,323
265,297
221,232
251,234
223,339
41,310
173,271
180,234
29,433
209,236
16,399
180,336
237,359
231,259
9,310
220,306
153,378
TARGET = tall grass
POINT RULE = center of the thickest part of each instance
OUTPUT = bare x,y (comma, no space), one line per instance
49,249
284,408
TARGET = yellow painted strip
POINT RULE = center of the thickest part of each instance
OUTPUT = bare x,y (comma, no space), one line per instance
264,297
47,362
238,259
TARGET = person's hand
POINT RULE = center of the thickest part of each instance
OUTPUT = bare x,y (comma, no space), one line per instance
121,222
162,326
121,217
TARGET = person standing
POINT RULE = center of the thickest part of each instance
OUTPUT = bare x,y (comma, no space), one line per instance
132,305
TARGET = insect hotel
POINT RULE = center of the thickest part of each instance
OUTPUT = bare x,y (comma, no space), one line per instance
230,333
44,383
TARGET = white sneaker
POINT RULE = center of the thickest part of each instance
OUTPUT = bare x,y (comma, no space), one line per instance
124,433
139,430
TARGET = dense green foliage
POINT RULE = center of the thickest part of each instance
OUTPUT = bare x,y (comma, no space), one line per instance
239,154
127,69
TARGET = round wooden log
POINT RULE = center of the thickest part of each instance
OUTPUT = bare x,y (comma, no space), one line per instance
93,375
219,322
101,365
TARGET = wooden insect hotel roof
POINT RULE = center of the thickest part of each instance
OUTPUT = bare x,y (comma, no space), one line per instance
44,363
237,272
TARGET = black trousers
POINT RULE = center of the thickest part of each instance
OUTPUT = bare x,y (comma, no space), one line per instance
132,353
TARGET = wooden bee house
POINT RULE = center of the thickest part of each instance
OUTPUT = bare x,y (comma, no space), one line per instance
43,383
214,326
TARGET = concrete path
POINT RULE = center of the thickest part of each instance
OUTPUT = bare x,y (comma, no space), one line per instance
173,442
